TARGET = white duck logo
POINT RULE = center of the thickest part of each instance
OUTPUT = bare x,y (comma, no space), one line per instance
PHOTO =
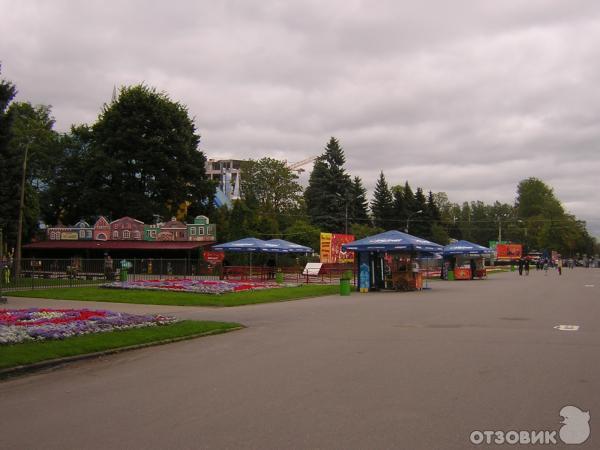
576,427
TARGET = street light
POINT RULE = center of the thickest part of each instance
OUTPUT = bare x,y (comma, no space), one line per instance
409,217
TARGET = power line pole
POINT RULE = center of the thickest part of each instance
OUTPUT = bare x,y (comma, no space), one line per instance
21,208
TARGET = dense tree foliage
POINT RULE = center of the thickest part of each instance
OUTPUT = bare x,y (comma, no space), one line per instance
329,189
140,159
27,140
382,205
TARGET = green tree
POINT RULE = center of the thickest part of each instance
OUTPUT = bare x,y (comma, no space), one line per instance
358,210
8,163
400,207
409,199
145,158
31,146
362,230
271,185
67,196
329,187
303,233
382,205
420,223
242,221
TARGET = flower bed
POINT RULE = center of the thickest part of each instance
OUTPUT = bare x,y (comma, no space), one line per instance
195,286
19,325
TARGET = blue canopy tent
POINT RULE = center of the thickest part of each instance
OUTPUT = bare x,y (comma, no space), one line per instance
283,246
466,248
456,256
247,245
253,245
242,245
393,240
377,272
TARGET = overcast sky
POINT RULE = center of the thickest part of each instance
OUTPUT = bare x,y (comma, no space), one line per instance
466,97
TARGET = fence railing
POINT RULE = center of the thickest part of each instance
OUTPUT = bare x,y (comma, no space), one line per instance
38,273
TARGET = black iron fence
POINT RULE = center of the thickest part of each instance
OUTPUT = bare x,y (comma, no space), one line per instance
35,273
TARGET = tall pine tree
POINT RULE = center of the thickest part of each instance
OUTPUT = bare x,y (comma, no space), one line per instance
400,208
419,222
329,190
359,205
382,205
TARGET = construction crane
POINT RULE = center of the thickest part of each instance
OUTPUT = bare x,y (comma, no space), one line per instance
297,166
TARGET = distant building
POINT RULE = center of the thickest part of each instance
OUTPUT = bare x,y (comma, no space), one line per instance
228,174
126,237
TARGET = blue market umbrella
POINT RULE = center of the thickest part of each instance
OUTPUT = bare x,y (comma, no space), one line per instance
393,240
242,245
247,245
283,246
465,248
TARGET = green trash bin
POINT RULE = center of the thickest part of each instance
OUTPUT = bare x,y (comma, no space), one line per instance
279,277
451,275
344,286
123,275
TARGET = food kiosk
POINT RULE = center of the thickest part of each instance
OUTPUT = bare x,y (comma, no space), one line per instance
389,261
464,260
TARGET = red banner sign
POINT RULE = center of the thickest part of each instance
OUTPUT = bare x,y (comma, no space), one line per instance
213,257
331,248
509,251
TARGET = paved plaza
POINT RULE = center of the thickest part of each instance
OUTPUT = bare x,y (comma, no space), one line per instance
418,370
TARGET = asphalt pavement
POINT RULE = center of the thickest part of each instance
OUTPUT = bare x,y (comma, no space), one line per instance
419,370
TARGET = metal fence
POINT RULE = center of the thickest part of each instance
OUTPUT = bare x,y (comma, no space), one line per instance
35,273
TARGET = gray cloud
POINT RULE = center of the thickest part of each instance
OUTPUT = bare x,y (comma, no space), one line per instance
467,97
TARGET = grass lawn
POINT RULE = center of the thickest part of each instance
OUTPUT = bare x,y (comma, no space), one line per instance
34,352
149,297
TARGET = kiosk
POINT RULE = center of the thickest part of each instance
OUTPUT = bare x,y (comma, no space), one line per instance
463,260
389,261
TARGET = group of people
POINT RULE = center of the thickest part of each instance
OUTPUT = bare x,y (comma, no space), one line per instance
540,264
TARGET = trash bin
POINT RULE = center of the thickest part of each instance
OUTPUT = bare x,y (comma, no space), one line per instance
123,275
279,277
344,286
450,275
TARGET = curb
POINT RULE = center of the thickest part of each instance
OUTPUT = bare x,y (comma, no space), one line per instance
18,370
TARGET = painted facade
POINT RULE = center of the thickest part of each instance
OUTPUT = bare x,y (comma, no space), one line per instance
130,229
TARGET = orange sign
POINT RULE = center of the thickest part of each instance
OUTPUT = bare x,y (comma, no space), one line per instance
509,251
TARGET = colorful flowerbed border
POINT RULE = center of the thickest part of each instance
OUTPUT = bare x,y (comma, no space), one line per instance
20,325
194,286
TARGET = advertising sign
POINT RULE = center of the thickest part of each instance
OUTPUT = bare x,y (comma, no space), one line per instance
509,251
213,257
69,236
331,248
493,244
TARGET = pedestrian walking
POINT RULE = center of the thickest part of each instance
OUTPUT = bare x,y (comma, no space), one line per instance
545,267
527,267
559,266
521,266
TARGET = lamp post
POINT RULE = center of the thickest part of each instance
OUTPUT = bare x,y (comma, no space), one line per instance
409,217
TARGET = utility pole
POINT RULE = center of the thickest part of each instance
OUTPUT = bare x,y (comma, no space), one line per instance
346,216
21,208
